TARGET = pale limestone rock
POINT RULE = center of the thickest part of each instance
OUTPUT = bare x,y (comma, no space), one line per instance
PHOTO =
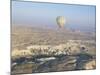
90,65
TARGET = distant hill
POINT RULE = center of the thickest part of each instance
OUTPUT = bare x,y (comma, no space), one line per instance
26,35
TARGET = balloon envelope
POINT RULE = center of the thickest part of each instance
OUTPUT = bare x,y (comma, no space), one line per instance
61,21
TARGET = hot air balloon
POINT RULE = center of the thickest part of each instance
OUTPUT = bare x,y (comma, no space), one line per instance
61,21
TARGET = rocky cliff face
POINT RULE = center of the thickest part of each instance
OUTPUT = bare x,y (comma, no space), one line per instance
72,47
55,64
67,63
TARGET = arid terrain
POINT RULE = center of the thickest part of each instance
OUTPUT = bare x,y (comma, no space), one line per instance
36,50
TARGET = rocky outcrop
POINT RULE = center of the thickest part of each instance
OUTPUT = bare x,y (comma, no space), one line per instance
62,64
70,48
54,64
90,65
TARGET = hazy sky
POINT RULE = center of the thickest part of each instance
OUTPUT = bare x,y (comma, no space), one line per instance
44,14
